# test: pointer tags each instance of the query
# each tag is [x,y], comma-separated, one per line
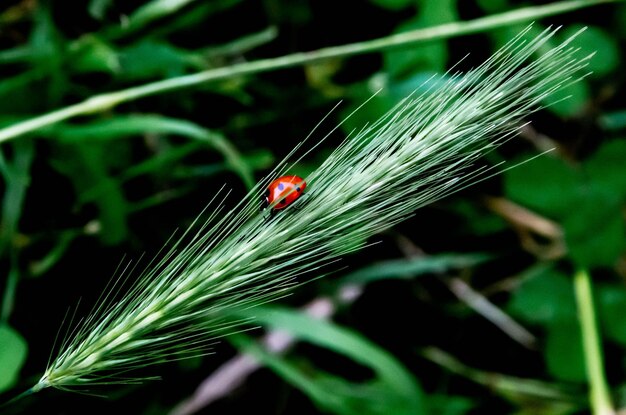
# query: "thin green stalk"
[599,391]
[107,101]
[507,385]
[18,397]
[16,174]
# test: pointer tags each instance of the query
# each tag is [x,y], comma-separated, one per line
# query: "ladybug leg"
[265,202]
[270,216]
[298,204]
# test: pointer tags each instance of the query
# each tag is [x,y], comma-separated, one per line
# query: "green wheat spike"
[422,150]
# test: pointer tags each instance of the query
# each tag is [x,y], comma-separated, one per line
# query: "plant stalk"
[599,391]
[107,101]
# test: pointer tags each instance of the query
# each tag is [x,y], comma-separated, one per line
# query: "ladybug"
[283,191]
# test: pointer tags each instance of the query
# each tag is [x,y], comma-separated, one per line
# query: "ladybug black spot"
[298,189]
[283,202]
[281,186]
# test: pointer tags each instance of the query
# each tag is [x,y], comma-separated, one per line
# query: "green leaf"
[570,99]
[594,229]
[545,296]
[112,205]
[606,168]
[19,87]
[611,300]
[152,59]
[393,390]
[48,50]
[97,8]
[598,41]
[92,54]
[545,184]
[13,351]
[161,161]
[449,404]
[410,268]
[587,201]
[45,39]
[564,351]
[16,174]
[137,125]
[88,167]
[122,126]
[476,219]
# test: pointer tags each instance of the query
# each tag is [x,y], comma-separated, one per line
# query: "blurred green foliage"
[392,389]
[586,199]
[80,194]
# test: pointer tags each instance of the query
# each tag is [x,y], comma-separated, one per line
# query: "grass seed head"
[420,151]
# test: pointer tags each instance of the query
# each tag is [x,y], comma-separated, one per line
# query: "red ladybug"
[283,191]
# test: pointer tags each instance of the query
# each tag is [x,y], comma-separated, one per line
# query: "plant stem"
[16,175]
[18,397]
[106,101]
[599,392]
[504,384]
